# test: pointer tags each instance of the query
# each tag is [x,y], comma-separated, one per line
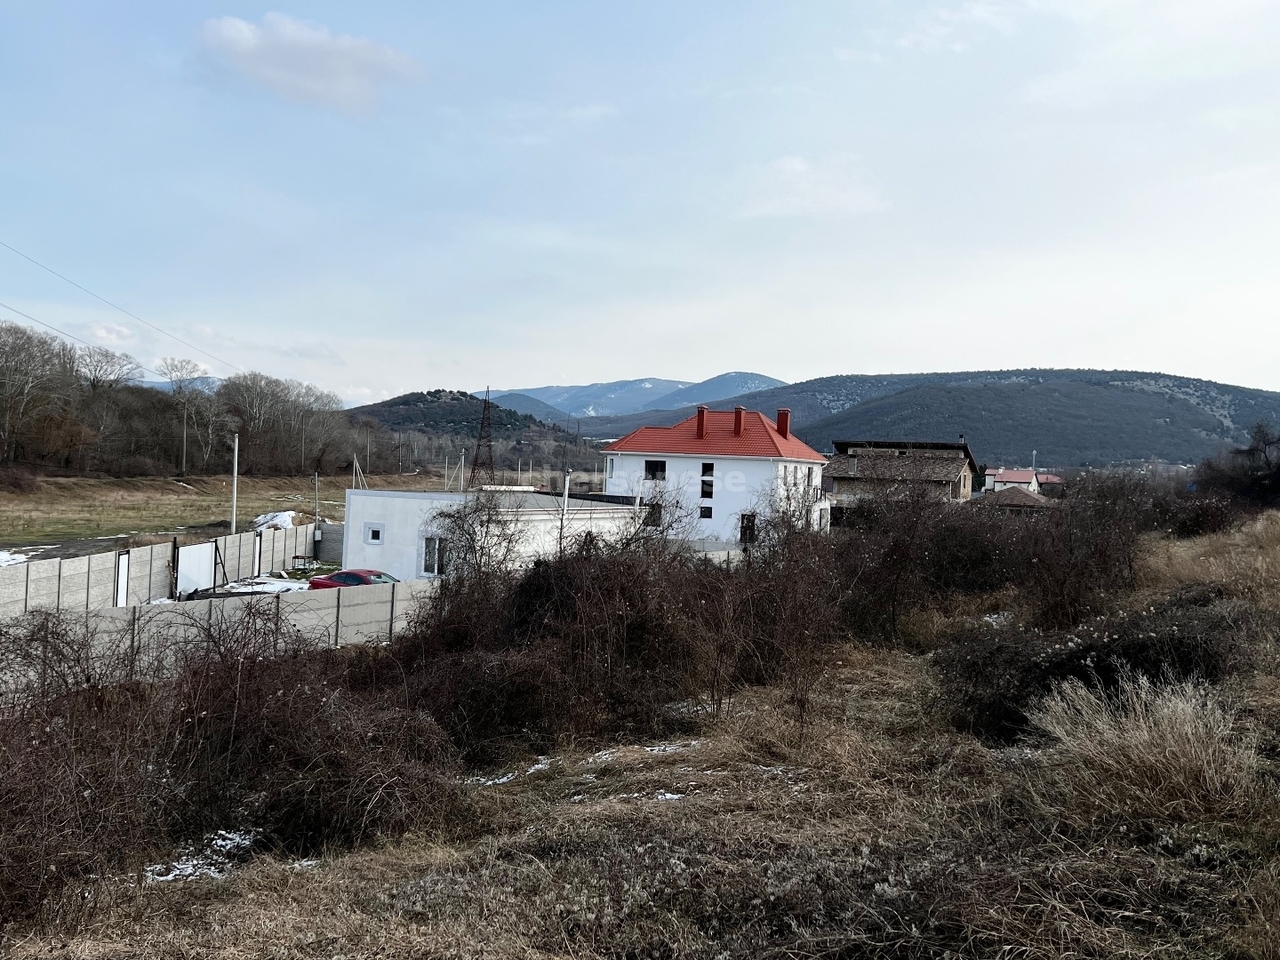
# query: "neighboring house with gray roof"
[900,468]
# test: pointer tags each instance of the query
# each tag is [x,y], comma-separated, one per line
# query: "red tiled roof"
[760,438]
[1002,475]
[1049,478]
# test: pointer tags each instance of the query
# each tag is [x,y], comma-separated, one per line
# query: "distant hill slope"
[1068,423]
[717,388]
[600,399]
[1042,409]
[447,411]
[523,403]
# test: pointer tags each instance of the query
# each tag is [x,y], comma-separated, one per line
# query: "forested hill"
[1068,423]
[449,412]
[1071,417]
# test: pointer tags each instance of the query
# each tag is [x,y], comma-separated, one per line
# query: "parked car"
[350,578]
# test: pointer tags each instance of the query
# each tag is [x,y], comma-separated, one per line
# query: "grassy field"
[62,509]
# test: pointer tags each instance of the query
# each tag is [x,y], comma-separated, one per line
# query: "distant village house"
[900,468]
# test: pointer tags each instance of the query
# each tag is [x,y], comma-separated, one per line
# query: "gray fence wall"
[329,547]
[110,580]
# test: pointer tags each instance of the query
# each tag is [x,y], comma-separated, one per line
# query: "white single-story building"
[722,468]
[400,532]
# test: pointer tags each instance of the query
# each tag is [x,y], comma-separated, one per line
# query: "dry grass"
[1245,562]
[879,833]
[63,508]
[1164,753]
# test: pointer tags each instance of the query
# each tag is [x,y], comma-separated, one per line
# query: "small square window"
[655,470]
[704,513]
[374,534]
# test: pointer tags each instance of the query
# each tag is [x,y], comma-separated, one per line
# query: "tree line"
[81,409]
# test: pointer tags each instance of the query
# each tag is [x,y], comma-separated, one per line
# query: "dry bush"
[990,673]
[111,755]
[17,479]
[1147,751]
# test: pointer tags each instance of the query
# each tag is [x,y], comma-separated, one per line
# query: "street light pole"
[235,477]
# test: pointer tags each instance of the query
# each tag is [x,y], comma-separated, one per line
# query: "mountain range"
[620,397]
[1071,418]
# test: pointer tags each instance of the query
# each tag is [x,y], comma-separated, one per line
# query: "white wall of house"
[995,484]
[738,485]
[393,530]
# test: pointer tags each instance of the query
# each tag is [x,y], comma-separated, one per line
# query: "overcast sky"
[394,196]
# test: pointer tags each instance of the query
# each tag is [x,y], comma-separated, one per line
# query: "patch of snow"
[304,864]
[664,748]
[181,484]
[491,781]
[264,585]
[221,851]
[666,796]
[282,520]
[8,559]
[544,763]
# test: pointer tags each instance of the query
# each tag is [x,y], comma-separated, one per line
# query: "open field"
[63,509]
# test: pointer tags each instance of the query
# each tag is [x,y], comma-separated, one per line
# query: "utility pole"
[184,437]
[235,477]
[564,508]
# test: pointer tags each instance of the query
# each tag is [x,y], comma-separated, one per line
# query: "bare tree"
[102,369]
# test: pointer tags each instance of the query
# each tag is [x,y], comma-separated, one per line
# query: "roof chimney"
[784,422]
[738,414]
[962,438]
[702,422]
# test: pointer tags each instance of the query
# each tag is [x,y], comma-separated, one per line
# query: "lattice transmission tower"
[482,462]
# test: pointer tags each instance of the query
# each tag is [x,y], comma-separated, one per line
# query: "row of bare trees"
[80,408]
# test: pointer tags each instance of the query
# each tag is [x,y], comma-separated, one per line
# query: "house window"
[433,556]
[374,533]
[708,481]
[704,513]
[610,469]
[747,529]
[653,516]
[655,470]
[810,483]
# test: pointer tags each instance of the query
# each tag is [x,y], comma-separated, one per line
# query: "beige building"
[900,468]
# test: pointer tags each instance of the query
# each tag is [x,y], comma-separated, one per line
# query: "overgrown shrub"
[111,755]
[991,673]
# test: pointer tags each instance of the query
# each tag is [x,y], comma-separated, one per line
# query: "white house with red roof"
[723,468]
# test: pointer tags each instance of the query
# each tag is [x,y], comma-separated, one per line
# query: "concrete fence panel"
[313,613]
[364,614]
[43,578]
[102,580]
[13,590]
[73,590]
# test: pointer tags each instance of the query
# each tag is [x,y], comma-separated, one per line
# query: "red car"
[350,578]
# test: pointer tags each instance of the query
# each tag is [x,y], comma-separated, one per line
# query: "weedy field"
[1005,782]
[58,509]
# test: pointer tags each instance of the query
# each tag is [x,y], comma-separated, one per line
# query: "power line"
[69,336]
[116,306]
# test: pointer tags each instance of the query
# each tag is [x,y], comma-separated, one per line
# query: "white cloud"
[796,187]
[1131,48]
[307,62]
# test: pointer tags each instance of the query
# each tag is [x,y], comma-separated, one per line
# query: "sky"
[397,196]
